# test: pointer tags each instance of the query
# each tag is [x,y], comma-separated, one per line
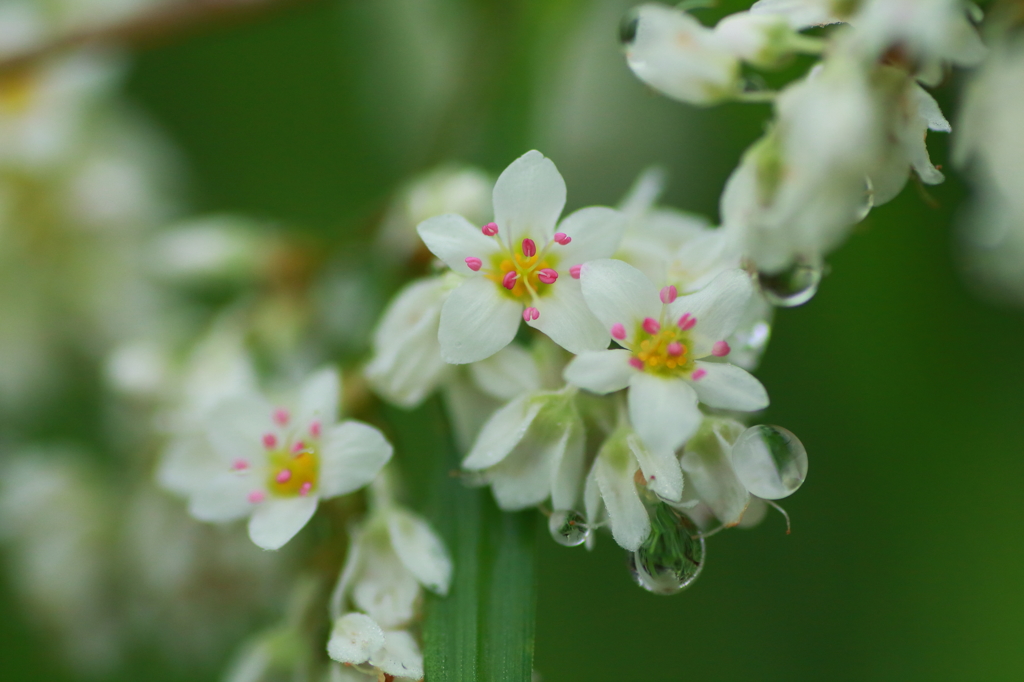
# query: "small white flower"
[664,339]
[673,53]
[532,449]
[520,267]
[708,468]
[359,641]
[275,464]
[762,40]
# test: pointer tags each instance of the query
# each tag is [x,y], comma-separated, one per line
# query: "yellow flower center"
[293,471]
[529,270]
[665,352]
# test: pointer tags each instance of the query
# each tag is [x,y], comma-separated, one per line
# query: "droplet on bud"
[792,287]
[568,528]
[670,559]
[769,461]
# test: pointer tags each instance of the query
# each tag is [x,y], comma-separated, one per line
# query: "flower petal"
[476,322]
[235,428]
[523,479]
[618,293]
[603,371]
[502,432]
[728,387]
[710,474]
[354,638]
[566,319]
[385,589]
[595,231]
[663,411]
[400,656]
[349,573]
[615,467]
[528,198]
[318,398]
[567,470]
[421,550]
[224,497]
[276,520]
[351,455]
[507,374]
[717,308]
[660,468]
[453,239]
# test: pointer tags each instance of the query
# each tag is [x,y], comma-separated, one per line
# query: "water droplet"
[769,461]
[670,559]
[792,287]
[627,29]
[568,528]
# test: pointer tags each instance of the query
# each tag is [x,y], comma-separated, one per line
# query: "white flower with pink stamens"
[521,266]
[664,338]
[277,463]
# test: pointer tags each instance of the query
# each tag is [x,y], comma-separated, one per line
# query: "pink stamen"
[283,476]
[240,465]
[651,325]
[720,349]
[257,496]
[575,271]
[299,446]
[509,280]
[562,238]
[269,440]
[675,349]
[698,374]
[529,248]
[686,322]
[547,275]
[490,229]
[315,429]
[668,294]
[637,362]
[281,416]
[474,263]
[530,314]
[618,331]
[306,487]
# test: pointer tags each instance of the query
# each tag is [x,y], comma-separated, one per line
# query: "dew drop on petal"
[792,287]
[769,461]
[671,558]
[568,528]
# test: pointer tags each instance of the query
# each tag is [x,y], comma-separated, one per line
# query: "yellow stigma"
[526,269]
[666,352]
[293,473]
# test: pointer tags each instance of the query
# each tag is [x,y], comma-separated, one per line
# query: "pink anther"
[618,331]
[306,487]
[529,248]
[531,314]
[687,321]
[575,271]
[490,229]
[547,275]
[298,446]
[283,476]
[281,416]
[240,464]
[668,294]
[698,374]
[675,349]
[562,238]
[720,349]
[315,429]
[509,280]
[651,325]
[269,440]
[637,363]
[474,263]
[257,496]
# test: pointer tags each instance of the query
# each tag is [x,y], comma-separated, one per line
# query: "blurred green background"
[906,388]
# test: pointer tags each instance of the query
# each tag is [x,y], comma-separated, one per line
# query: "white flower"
[673,53]
[519,266]
[275,464]
[806,13]
[532,449]
[664,339]
[359,641]
[762,40]
[709,472]
[214,248]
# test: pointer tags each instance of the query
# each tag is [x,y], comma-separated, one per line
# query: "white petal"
[351,455]
[318,399]
[502,432]
[604,371]
[717,308]
[349,572]
[645,191]
[663,411]
[421,550]
[566,319]
[618,293]
[528,198]
[275,521]
[453,239]
[567,471]
[224,497]
[507,374]
[385,589]
[615,467]
[187,463]
[523,479]
[235,428]
[477,321]
[728,387]
[709,473]
[660,468]
[592,504]
[400,656]
[354,638]
[596,232]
